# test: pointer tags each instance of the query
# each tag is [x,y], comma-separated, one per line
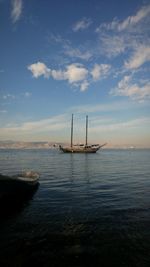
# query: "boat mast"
[71,131]
[86,130]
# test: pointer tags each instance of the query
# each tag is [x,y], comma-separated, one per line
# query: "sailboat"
[81,148]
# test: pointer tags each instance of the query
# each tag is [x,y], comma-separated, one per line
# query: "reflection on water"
[90,210]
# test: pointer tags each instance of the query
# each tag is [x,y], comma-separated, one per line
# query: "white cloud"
[84,86]
[131,89]
[118,37]
[57,74]
[133,20]
[75,73]
[107,26]
[77,53]
[100,71]
[113,45]
[16,10]
[139,57]
[81,52]
[38,69]
[126,24]
[82,24]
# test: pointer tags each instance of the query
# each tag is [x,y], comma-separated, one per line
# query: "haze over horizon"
[81,57]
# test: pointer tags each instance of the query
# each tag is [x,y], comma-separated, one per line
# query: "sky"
[83,57]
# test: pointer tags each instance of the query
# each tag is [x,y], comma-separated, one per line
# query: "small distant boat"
[18,185]
[81,148]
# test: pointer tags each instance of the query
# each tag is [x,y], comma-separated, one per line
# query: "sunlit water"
[89,210]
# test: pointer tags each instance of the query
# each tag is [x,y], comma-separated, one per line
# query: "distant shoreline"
[54,145]
[27,145]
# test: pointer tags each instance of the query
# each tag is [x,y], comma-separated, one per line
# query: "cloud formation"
[39,69]
[84,86]
[131,21]
[82,52]
[77,53]
[130,40]
[139,57]
[76,73]
[126,24]
[113,45]
[126,87]
[128,37]
[82,24]
[16,11]
[100,71]
[120,37]
[59,123]
[32,128]
[73,72]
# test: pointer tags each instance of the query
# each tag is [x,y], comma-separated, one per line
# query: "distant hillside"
[26,145]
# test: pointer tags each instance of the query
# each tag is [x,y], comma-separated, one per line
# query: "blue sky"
[82,57]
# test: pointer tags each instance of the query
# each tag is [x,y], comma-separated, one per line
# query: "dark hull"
[15,196]
[11,188]
[79,150]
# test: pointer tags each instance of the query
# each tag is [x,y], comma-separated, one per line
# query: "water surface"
[89,210]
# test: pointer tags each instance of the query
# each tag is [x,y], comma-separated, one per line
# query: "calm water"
[89,210]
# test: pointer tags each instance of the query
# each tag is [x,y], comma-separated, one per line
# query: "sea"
[88,210]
